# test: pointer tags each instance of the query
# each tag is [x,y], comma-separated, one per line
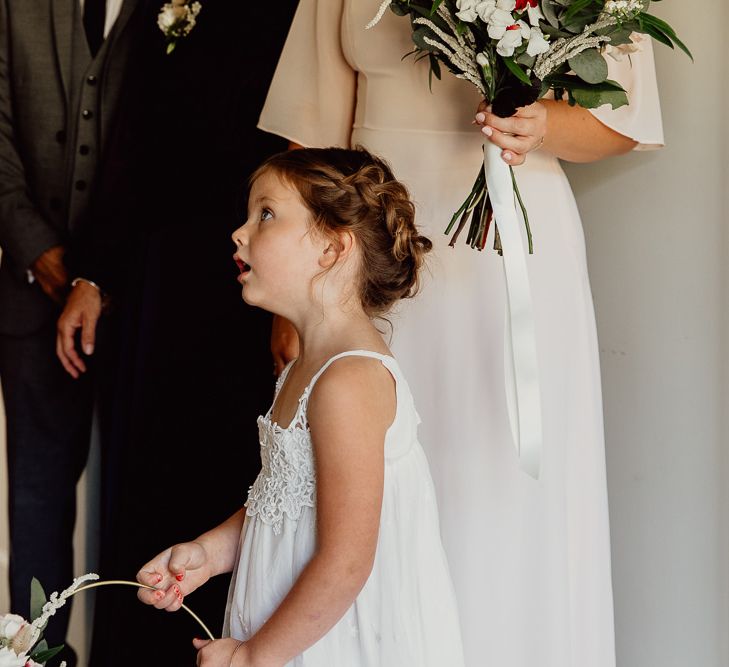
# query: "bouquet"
[515,52]
[21,641]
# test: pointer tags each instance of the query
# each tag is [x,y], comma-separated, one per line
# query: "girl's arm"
[350,410]
[181,569]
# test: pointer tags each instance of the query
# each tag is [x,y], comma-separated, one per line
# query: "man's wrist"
[78,280]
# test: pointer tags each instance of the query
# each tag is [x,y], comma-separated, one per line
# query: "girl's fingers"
[149,577]
[170,599]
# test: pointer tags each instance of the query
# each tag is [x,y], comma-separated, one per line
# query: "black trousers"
[48,416]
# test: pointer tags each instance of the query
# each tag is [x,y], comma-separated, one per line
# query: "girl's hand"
[220,653]
[175,573]
[518,134]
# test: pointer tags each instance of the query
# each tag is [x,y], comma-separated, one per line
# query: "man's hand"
[82,311]
[284,343]
[50,272]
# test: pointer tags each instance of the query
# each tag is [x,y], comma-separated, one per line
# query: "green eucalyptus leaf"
[41,646]
[590,66]
[592,98]
[548,9]
[620,36]
[399,9]
[37,599]
[526,60]
[45,656]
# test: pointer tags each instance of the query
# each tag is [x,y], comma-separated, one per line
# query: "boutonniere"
[176,19]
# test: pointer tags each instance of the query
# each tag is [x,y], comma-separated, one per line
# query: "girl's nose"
[239,236]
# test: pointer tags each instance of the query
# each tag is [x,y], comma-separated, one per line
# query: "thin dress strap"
[387,361]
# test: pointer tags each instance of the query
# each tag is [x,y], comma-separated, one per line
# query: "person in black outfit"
[62,67]
[195,369]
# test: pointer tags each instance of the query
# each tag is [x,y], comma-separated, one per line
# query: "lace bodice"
[287,481]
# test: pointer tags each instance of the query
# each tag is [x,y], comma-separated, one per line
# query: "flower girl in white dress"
[337,554]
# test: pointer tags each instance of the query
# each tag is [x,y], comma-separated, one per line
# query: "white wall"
[656,227]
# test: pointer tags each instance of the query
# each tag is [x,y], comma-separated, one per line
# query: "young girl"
[337,556]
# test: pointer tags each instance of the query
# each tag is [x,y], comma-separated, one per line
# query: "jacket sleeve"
[24,233]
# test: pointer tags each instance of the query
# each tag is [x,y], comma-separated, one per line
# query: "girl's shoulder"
[360,386]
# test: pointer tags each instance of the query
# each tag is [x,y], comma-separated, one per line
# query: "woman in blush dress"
[530,558]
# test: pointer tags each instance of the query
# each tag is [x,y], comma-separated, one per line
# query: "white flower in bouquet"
[10,624]
[475,9]
[537,43]
[535,14]
[509,33]
[9,658]
[25,638]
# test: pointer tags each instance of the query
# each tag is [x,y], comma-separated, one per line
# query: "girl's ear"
[336,249]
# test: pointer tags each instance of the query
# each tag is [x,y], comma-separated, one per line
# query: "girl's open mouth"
[244,268]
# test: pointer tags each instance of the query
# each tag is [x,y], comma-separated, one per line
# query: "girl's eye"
[266,214]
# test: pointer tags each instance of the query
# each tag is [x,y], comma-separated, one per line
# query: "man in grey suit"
[62,63]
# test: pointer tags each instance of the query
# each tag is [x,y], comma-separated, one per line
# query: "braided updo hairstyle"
[355,191]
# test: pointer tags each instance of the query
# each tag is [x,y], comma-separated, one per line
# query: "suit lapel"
[63,16]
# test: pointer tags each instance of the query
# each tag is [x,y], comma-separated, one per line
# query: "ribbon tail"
[521,348]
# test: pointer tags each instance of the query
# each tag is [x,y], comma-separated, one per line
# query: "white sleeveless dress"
[405,616]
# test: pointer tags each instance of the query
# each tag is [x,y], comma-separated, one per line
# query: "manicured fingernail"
[88,349]
[159,578]
[480,117]
[488,108]
[487,130]
[159,595]
[508,156]
[180,576]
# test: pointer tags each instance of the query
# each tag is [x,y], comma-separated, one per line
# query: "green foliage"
[662,32]
[37,599]
[590,66]
[44,656]
[517,71]
[588,95]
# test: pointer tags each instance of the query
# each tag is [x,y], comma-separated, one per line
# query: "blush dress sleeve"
[639,120]
[312,97]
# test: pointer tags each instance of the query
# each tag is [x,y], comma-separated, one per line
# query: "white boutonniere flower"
[176,19]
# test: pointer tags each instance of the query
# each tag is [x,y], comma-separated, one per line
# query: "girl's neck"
[323,335]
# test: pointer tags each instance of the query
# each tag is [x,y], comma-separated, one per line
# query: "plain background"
[658,244]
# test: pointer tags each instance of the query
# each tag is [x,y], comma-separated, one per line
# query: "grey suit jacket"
[37,71]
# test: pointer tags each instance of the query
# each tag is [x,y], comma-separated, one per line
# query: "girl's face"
[277,252]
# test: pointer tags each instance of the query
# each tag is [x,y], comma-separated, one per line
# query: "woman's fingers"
[513,143]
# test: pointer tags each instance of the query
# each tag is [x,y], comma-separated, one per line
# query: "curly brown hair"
[355,191]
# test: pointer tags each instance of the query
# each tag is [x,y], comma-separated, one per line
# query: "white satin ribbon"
[526,423]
